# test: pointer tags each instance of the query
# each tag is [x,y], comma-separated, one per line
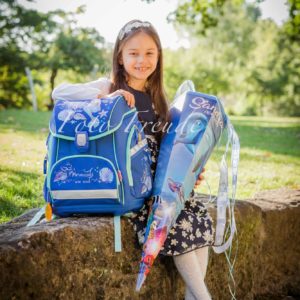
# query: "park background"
[228,48]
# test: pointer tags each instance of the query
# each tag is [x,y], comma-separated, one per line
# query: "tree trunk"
[52,80]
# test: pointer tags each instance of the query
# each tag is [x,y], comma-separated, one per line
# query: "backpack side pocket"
[138,164]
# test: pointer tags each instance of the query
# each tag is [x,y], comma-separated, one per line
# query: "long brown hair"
[154,85]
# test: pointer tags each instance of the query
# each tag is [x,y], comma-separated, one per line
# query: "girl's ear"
[121,61]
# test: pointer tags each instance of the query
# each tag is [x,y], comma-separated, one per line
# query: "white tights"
[192,268]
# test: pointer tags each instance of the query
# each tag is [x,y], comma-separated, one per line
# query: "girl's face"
[139,57]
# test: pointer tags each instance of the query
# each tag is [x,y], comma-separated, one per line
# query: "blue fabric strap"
[117,227]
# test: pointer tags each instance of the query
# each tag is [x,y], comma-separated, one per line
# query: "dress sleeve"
[81,91]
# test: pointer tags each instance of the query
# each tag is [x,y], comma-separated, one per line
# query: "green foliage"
[74,48]
[204,14]
[250,63]
[33,39]
[292,26]
[20,28]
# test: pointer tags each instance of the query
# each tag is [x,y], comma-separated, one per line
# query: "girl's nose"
[140,58]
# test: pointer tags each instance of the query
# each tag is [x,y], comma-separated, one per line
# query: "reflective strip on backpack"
[85,194]
[138,146]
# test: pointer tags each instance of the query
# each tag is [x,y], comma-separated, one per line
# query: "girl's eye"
[132,53]
[150,53]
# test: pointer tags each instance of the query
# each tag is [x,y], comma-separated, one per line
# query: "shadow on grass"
[19,191]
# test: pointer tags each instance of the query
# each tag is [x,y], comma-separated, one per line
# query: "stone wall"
[74,258]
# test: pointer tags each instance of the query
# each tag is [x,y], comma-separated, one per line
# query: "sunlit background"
[109,16]
[239,50]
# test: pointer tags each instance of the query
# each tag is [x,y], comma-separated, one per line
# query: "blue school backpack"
[98,159]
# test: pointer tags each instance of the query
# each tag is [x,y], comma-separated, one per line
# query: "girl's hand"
[128,96]
[200,179]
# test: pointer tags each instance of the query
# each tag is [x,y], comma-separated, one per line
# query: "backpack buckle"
[82,141]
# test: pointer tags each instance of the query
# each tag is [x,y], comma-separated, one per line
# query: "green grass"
[270,158]
[22,151]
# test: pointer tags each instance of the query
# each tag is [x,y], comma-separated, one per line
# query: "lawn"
[270,158]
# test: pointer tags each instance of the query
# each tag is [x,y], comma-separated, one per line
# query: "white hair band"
[130,26]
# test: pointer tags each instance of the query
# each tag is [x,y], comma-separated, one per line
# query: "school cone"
[152,248]
[198,122]
[156,234]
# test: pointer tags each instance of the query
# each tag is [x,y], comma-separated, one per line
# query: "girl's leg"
[189,268]
[202,255]
[188,294]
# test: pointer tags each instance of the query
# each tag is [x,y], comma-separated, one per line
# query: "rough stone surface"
[74,258]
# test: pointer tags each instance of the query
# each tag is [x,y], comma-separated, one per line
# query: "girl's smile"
[139,58]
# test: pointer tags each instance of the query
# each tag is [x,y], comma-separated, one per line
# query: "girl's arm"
[82,91]
[90,90]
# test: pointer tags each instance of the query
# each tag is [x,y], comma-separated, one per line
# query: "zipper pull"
[120,176]
[48,212]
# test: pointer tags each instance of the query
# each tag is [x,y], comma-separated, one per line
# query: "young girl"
[137,74]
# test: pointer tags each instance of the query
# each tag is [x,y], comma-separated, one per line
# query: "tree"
[34,39]
[251,63]
[278,79]
[20,29]
[217,61]
[75,49]
[292,26]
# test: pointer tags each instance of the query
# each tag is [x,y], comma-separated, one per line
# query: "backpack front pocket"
[92,179]
[138,164]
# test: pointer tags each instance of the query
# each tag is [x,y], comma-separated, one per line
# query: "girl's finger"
[200,177]
[131,100]
[198,182]
[128,96]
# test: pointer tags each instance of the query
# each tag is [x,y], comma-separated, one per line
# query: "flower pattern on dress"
[174,242]
[198,233]
[172,231]
[186,225]
[184,245]
[142,218]
[184,233]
